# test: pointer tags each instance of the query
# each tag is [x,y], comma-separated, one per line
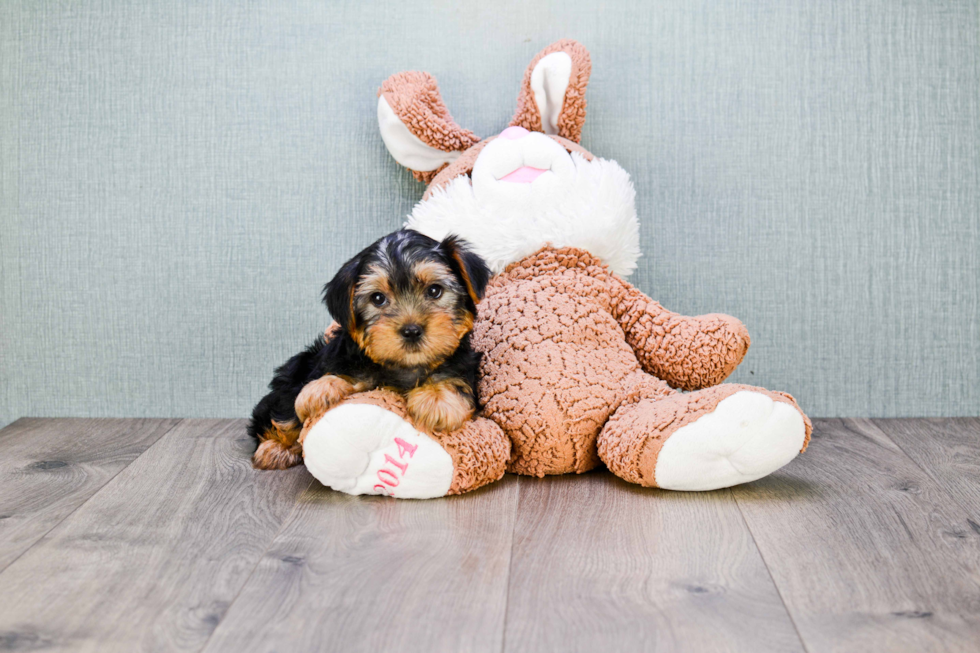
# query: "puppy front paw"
[439,407]
[319,396]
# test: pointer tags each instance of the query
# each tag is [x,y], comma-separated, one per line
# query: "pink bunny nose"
[513,133]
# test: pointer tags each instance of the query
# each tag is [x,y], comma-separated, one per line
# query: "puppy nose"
[411,332]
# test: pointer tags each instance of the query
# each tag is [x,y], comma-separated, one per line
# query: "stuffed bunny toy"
[579,368]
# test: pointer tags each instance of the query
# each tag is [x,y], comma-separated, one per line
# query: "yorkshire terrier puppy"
[404,308]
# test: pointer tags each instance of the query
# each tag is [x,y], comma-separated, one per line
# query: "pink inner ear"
[523,175]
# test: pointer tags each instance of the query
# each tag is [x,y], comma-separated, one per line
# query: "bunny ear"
[416,126]
[552,98]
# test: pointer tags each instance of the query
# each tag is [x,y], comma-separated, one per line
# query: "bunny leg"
[705,440]
[368,445]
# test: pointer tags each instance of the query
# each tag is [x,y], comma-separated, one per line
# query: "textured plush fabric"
[414,97]
[179,179]
[632,439]
[566,344]
[479,450]
[572,116]
[687,352]
[568,351]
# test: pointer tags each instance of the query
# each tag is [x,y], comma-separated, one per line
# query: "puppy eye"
[434,291]
[378,299]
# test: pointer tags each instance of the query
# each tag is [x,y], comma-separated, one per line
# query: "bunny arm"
[689,353]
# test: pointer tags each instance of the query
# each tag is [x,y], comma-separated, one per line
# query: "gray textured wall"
[178,180]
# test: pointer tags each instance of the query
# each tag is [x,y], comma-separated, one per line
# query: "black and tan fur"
[405,308]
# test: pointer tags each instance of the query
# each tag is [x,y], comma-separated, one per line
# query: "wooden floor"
[157,535]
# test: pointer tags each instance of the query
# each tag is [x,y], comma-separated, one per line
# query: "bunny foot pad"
[365,449]
[746,437]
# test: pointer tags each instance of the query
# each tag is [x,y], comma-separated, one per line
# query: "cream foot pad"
[365,449]
[747,436]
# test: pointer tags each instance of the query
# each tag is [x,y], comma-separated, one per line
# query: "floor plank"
[599,564]
[377,574]
[49,467]
[871,538]
[154,559]
[868,552]
[948,449]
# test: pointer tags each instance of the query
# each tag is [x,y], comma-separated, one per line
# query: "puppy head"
[408,300]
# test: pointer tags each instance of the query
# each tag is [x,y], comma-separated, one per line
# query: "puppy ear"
[472,270]
[338,294]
